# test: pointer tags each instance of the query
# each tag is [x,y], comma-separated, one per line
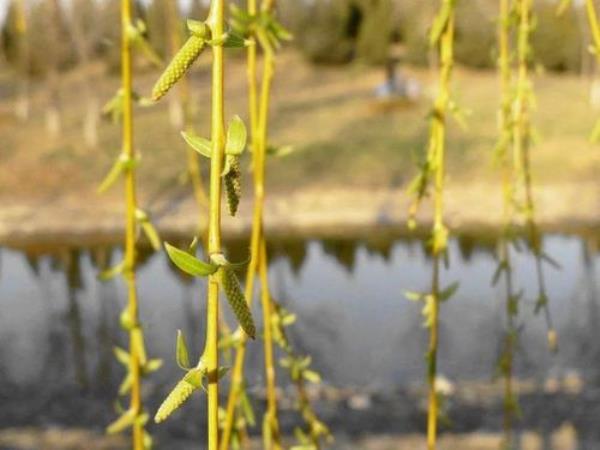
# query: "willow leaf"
[189,263]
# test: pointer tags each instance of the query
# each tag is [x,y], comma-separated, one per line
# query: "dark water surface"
[58,324]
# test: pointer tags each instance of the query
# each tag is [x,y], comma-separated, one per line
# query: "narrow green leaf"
[151,234]
[112,176]
[182,355]
[148,441]
[247,409]
[279,151]
[112,272]
[554,263]
[448,292]
[414,296]
[280,31]
[125,320]
[312,376]
[233,40]
[125,385]
[193,245]
[198,143]
[499,270]
[188,263]
[236,137]
[123,422]
[152,365]
[121,355]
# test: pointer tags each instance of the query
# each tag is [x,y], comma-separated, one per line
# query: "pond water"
[58,322]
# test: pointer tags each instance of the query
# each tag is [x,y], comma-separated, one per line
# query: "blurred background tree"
[326,32]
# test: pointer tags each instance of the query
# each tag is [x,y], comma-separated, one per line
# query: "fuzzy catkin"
[233,185]
[237,300]
[178,66]
[180,393]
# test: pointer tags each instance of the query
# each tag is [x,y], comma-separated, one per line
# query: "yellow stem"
[594,26]
[259,126]
[432,411]
[268,348]
[130,221]
[216,23]
[237,376]
[506,131]
[437,148]
[522,141]
[183,87]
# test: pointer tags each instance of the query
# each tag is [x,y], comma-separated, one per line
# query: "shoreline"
[572,208]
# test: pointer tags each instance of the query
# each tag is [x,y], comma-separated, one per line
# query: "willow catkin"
[180,393]
[237,300]
[233,185]
[180,63]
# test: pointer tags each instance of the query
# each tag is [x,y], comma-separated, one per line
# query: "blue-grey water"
[58,322]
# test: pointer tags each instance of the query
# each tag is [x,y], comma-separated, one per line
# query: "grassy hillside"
[341,135]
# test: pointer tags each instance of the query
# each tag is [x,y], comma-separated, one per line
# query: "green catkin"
[237,301]
[178,66]
[180,393]
[233,185]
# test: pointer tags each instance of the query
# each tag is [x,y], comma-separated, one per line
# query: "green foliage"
[375,33]
[558,40]
[188,263]
[300,372]
[475,35]
[325,31]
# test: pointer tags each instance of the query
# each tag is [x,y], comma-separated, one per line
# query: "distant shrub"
[475,38]
[375,32]
[557,41]
[324,30]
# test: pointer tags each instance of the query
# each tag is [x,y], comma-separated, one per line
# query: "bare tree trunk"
[22,101]
[53,117]
[53,110]
[81,42]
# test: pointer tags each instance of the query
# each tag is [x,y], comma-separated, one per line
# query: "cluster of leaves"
[432,175]
[192,380]
[194,376]
[432,166]
[235,145]
[524,205]
[298,367]
[269,32]
[244,418]
[594,47]
[128,418]
[429,298]
[135,361]
[188,263]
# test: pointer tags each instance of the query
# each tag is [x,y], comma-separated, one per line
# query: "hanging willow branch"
[263,31]
[594,24]
[134,360]
[522,136]
[223,149]
[432,176]
[503,159]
